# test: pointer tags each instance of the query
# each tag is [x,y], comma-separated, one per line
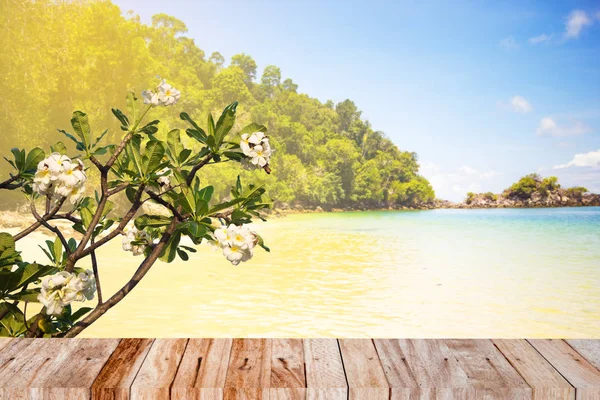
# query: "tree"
[217,59]
[348,113]
[147,170]
[289,85]
[271,78]
[247,65]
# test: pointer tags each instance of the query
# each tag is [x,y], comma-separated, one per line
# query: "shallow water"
[438,273]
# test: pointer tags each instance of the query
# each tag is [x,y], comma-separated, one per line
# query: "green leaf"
[33,158]
[184,155]
[261,242]
[253,127]
[174,145]
[121,117]
[199,132]
[32,272]
[153,156]
[210,126]
[59,148]
[78,145]
[223,206]
[29,295]
[205,194]
[82,128]
[153,221]
[225,123]
[183,255]
[132,106]
[80,313]
[170,250]
[58,249]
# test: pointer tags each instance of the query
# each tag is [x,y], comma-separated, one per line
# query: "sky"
[484,92]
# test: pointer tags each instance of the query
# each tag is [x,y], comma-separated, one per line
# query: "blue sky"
[484,92]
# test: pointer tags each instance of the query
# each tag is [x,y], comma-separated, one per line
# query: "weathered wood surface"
[290,369]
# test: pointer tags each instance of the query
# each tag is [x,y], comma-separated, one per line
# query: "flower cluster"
[61,176]
[135,240]
[257,148]
[236,242]
[163,95]
[63,288]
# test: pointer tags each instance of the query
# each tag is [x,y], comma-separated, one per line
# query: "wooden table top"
[317,369]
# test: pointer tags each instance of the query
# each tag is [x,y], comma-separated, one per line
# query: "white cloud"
[549,127]
[591,159]
[520,104]
[509,43]
[540,39]
[576,21]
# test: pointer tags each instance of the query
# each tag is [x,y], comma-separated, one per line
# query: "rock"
[319,209]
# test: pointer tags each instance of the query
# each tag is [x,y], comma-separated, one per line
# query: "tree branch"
[37,224]
[196,168]
[135,279]
[96,275]
[160,201]
[7,184]
[54,229]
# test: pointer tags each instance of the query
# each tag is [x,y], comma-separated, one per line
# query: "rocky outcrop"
[555,198]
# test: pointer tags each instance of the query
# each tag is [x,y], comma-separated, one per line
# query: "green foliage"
[525,187]
[576,191]
[80,41]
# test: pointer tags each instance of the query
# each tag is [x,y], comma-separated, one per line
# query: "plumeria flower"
[132,234]
[258,150]
[236,242]
[150,97]
[164,94]
[59,175]
[72,193]
[63,288]
[260,155]
[167,94]
[72,174]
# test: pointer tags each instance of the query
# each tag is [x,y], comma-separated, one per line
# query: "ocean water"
[436,273]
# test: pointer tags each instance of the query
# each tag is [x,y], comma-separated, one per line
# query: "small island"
[531,191]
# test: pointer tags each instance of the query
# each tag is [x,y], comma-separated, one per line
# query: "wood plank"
[6,341]
[287,370]
[366,378]
[203,370]
[589,349]
[73,378]
[488,372]
[154,379]
[546,382]
[115,379]
[570,364]
[24,375]
[325,376]
[399,376]
[249,371]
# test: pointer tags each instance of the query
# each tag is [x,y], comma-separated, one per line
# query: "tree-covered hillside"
[60,56]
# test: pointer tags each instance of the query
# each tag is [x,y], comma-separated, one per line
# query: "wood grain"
[325,377]
[153,381]
[366,378]
[287,370]
[203,370]
[570,364]
[117,376]
[589,349]
[249,368]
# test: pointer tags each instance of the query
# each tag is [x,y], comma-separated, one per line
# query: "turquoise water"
[437,273]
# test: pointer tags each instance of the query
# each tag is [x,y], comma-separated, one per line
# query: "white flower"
[164,94]
[72,174]
[257,148]
[260,155]
[163,180]
[132,234]
[167,94]
[63,288]
[150,97]
[58,174]
[236,242]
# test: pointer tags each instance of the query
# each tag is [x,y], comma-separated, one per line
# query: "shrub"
[146,170]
